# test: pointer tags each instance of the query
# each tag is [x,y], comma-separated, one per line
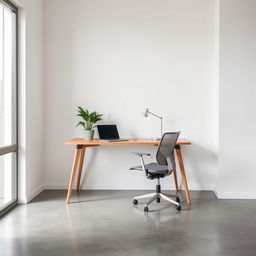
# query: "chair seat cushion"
[157,168]
[153,168]
[156,171]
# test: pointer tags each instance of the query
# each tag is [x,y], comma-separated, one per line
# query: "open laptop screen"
[108,132]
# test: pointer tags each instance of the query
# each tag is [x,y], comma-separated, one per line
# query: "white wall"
[137,49]
[30,99]
[119,57]
[237,125]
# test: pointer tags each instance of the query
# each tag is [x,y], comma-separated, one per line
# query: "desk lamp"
[145,114]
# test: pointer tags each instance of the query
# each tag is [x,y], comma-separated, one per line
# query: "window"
[8,105]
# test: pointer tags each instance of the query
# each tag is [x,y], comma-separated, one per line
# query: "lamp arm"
[154,115]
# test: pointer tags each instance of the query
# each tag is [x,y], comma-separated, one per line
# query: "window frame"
[14,147]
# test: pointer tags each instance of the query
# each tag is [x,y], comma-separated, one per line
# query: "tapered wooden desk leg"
[175,181]
[80,168]
[183,173]
[73,172]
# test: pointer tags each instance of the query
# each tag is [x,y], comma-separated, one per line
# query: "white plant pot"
[88,134]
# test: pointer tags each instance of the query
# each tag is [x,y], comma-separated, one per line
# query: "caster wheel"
[177,199]
[135,201]
[178,208]
[145,209]
[158,200]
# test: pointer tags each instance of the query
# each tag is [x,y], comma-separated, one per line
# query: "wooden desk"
[81,146]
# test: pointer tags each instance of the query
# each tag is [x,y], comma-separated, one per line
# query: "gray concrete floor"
[106,223]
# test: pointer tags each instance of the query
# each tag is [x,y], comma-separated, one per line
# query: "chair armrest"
[142,160]
[141,154]
[137,168]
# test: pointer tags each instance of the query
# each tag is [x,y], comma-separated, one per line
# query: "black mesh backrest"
[166,148]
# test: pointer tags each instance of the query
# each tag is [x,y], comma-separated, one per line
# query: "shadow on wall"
[88,165]
[199,158]
[199,163]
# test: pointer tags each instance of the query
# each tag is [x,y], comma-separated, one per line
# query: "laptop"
[109,132]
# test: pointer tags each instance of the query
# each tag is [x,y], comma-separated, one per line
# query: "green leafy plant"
[88,119]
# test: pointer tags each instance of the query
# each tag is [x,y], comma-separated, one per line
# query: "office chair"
[163,167]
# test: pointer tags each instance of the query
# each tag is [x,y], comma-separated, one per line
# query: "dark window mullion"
[9,4]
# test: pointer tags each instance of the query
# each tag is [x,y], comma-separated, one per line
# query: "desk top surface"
[131,141]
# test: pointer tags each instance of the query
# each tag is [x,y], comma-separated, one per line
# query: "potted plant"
[88,121]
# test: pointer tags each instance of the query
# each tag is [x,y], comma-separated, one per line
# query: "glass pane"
[8,128]
[7,179]
[7,76]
